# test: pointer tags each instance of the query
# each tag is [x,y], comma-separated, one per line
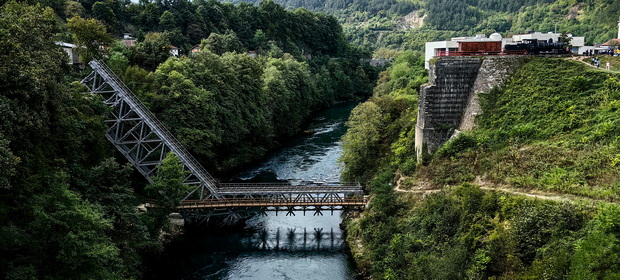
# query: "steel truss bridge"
[145,142]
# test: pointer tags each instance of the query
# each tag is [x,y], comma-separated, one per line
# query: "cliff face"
[449,102]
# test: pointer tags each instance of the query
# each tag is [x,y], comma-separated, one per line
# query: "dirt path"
[485,185]
[488,186]
[398,189]
[578,59]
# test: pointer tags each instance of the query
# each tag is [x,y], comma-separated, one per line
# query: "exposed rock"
[411,21]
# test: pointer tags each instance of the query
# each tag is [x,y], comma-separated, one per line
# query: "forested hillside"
[407,24]
[67,198]
[551,129]
[240,104]
[67,208]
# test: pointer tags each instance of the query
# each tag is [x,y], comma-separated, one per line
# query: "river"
[277,246]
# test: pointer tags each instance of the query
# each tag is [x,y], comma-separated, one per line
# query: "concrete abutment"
[449,103]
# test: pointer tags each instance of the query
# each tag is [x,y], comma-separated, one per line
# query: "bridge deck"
[274,202]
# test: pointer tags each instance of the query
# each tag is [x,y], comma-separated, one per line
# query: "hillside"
[408,24]
[552,129]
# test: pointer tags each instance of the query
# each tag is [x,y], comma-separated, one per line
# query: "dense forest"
[67,198]
[551,129]
[408,24]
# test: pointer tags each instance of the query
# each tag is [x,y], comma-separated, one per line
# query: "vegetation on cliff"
[382,130]
[550,128]
[67,209]
[466,233]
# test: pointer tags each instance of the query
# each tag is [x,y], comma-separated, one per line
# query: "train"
[535,46]
[527,47]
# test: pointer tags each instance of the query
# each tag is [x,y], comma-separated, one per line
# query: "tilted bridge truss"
[139,136]
[145,142]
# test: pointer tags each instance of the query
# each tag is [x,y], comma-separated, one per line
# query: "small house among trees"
[174,51]
[71,50]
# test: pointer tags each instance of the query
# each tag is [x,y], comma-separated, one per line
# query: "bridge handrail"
[480,53]
[289,189]
[274,198]
[163,132]
[318,184]
[268,201]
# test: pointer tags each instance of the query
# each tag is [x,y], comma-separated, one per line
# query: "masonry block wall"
[449,103]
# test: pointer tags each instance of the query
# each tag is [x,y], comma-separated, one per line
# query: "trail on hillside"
[578,59]
[488,186]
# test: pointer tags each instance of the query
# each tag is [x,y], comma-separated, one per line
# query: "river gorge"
[276,246]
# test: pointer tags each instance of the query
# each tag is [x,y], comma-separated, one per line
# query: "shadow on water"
[275,246]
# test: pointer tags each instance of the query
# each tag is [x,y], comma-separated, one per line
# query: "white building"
[174,51]
[431,48]
[71,50]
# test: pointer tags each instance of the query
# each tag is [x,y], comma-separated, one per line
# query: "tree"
[360,143]
[167,21]
[168,189]
[151,52]
[221,43]
[168,185]
[259,41]
[564,39]
[49,138]
[103,12]
[291,93]
[8,162]
[90,36]
[30,76]
[118,60]
[73,9]
[149,16]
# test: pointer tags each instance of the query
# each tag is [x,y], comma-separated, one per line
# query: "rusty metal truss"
[139,136]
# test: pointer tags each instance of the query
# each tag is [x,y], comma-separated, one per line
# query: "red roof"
[612,42]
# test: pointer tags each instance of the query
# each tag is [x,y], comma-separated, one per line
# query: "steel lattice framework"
[139,136]
[145,142]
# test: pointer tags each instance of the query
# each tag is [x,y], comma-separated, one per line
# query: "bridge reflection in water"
[212,256]
[294,240]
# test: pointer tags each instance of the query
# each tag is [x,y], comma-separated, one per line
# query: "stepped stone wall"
[449,103]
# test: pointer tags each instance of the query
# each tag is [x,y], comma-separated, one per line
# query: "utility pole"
[618,28]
